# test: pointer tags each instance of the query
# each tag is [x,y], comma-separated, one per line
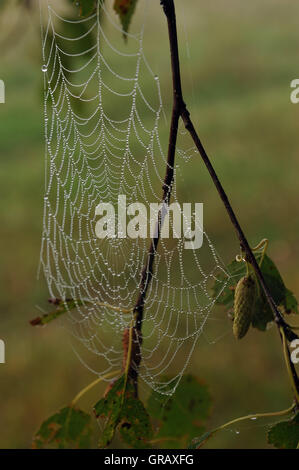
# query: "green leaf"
[125,10]
[110,407]
[290,303]
[62,306]
[285,435]
[273,280]
[135,428]
[69,428]
[183,414]
[262,313]
[87,7]
[126,413]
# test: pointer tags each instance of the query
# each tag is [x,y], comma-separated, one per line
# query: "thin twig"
[180,110]
[93,384]
[245,418]
[169,10]
[147,272]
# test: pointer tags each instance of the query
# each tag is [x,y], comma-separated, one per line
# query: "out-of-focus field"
[238,60]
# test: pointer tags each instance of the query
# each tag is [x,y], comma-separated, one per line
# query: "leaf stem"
[258,415]
[112,307]
[248,417]
[129,349]
[93,384]
[129,355]
[264,243]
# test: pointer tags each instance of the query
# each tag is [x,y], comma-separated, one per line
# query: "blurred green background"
[238,60]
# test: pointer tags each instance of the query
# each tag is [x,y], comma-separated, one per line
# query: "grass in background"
[243,58]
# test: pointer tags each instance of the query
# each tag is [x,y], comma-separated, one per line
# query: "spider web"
[103,124]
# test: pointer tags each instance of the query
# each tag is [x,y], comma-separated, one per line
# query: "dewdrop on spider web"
[103,108]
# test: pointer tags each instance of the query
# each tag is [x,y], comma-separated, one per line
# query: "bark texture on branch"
[180,110]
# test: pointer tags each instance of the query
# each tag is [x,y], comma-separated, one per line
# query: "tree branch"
[169,10]
[179,110]
[147,272]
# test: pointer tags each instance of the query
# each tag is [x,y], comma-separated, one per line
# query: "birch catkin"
[245,295]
